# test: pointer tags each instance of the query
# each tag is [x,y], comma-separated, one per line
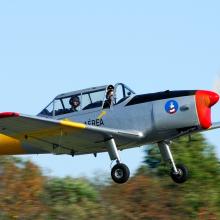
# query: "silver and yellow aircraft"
[108,119]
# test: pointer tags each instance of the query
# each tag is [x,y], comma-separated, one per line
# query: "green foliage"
[69,198]
[153,157]
[68,191]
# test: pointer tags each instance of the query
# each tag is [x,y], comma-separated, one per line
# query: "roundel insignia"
[171,107]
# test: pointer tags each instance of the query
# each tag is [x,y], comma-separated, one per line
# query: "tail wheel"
[182,175]
[120,173]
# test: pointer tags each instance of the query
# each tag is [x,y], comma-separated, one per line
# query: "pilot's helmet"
[74,99]
[110,87]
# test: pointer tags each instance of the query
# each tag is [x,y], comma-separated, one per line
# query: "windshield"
[122,92]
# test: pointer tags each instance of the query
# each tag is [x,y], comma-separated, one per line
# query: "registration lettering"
[96,122]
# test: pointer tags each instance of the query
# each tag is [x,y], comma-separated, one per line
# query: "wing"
[62,136]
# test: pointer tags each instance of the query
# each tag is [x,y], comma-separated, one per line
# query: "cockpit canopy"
[91,98]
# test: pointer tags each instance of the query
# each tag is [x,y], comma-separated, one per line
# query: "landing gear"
[182,174]
[179,173]
[120,172]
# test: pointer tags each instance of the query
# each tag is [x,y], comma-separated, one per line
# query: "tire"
[182,176]
[120,173]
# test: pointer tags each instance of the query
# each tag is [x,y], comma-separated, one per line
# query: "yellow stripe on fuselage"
[10,146]
[102,114]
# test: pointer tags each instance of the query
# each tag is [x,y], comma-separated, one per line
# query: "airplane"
[109,119]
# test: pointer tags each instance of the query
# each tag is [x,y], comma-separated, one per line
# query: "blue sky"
[51,47]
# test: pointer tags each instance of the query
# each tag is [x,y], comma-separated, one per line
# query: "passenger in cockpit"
[75,103]
[109,97]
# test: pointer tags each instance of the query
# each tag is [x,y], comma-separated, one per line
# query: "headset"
[72,99]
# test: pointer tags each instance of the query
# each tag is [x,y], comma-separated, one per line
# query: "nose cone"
[213,97]
[204,101]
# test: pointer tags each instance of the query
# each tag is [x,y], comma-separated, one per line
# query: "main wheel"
[181,176]
[120,173]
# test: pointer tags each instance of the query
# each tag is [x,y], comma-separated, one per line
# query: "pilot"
[75,103]
[109,97]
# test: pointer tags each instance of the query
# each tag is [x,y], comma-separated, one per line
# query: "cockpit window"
[128,92]
[119,93]
[93,99]
[67,105]
[48,111]
[122,92]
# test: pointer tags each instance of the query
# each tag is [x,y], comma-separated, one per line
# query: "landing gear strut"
[120,172]
[179,173]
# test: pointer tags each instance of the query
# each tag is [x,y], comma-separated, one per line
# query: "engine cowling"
[183,109]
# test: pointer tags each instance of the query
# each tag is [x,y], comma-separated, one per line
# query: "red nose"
[204,101]
[213,97]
